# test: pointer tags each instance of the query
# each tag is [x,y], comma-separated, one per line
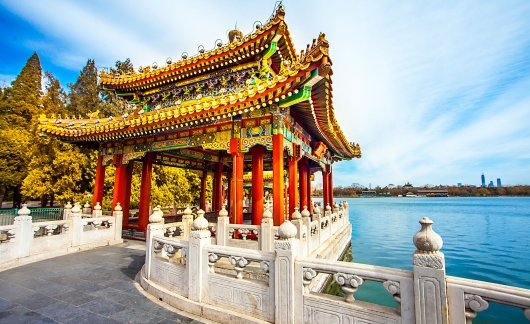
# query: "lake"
[483,239]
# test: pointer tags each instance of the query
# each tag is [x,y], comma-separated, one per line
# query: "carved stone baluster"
[308,275]
[231,232]
[239,264]
[265,266]
[394,289]
[50,229]
[212,259]
[183,255]
[96,223]
[157,248]
[526,312]
[244,232]
[170,231]
[474,304]
[170,251]
[349,284]
[35,230]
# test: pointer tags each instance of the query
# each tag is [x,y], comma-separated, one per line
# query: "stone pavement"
[95,286]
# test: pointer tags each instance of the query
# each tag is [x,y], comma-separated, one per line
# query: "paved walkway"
[95,286]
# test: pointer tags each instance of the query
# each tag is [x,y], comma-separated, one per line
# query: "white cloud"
[435,92]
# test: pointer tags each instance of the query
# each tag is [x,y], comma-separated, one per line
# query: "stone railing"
[229,284]
[27,241]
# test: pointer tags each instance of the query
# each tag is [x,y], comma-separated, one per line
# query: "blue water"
[483,239]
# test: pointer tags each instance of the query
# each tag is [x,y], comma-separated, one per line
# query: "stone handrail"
[40,240]
[468,297]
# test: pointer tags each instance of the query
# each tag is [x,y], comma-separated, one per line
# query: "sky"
[435,92]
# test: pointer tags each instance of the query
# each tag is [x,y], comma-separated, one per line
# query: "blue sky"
[436,92]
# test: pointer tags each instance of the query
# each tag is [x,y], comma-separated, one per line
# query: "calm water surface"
[483,238]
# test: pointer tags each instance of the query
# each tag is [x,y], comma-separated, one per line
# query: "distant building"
[491,184]
[408,185]
[499,182]
[460,184]
[369,193]
[483,178]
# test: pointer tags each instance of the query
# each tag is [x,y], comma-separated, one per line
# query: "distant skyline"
[435,92]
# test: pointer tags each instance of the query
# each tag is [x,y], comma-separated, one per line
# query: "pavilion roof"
[292,72]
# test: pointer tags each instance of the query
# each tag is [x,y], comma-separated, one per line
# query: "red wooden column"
[126,201]
[330,183]
[257,184]
[119,181]
[293,185]
[302,176]
[145,191]
[277,181]
[309,193]
[236,195]
[325,186]
[218,187]
[228,193]
[99,183]
[203,189]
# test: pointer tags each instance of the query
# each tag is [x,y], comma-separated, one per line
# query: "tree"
[84,94]
[19,107]
[57,169]
[112,104]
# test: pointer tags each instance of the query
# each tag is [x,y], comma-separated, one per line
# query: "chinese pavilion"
[250,105]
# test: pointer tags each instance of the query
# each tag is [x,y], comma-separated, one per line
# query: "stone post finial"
[316,210]
[305,212]
[296,214]
[76,209]
[328,208]
[267,213]
[223,212]
[24,211]
[287,231]
[155,217]
[200,223]
[426,240]
[98,206]
[187,211]
[87,205]
[335,205]
[68,205]
[118,207]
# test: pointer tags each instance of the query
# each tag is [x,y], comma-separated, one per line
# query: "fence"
[231,284]
[7,216]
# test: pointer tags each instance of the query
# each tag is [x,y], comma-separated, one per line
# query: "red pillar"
[126,204]
[145,191]
[325,187]
[293,185]
[236,194]
[229,196]
[119,182]
[277,182]
[330,182]
[309,193]
[203,189]
[99,183]
[302,176]
[257,184]
[218,187]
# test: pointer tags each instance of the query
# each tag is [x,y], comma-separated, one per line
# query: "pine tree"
[54,101]
[84,95]
[19,107]
[21,103]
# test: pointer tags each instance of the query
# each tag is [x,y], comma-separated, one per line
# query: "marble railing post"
[97,212]
[118,221]
[286,302]
[306,221]
[266,237]
[154,228]
[199,238]
[26,231]
[301,231]
[187,221]
[317,216]
[222,227]
[430,295]
[87,209]
[66,211]
[77,224]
